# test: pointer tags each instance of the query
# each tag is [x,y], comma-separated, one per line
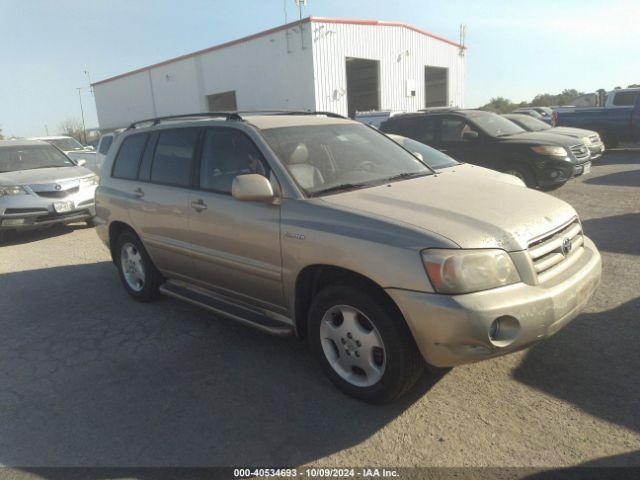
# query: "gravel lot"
[89,377]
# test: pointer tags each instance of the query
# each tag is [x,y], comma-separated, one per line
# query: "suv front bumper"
[455,329]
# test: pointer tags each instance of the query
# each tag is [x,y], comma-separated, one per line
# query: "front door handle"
[198,205]
[138,193]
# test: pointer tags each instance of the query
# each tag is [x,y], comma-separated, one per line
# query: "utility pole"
[86,72]
[300,4]
[84,131]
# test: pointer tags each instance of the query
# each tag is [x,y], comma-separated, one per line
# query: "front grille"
[59,193]
[18,211]
[556,250]
[580,151]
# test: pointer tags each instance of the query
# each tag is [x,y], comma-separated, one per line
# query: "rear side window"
[128,159]
[173,158]
[105,145]
[624,99]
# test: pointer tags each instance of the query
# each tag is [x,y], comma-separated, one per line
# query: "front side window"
[29,157]
[332,157]
[173,158]
[452,130]
[128,159]
[227,153]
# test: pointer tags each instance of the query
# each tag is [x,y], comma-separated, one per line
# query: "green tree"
[501,105]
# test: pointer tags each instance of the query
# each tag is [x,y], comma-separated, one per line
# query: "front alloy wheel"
[362,343]
[352,345]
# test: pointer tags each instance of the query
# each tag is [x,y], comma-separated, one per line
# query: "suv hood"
[470,210]
[43,175]
[574,132]
[541,138]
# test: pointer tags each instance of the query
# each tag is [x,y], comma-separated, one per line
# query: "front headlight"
[550,150]
[91,181]
[586,141]
[12,190]
[465,271]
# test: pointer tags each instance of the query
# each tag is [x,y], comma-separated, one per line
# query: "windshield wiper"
[337,188]
[405,175]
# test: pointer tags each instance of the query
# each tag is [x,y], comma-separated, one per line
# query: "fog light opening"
[504,330]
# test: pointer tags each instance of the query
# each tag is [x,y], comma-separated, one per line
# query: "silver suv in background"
[40,186]
[316,225]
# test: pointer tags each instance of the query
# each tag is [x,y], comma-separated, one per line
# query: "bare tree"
[1,136]
[72,127]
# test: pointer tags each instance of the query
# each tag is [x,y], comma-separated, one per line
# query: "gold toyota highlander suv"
[312,224]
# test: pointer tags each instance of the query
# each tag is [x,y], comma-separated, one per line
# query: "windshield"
[28,157]
[494,125]
[529,123]
[66,144]
[432,157]
[328,158]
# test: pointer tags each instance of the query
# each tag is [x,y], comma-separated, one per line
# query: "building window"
[436,85]
[222,102]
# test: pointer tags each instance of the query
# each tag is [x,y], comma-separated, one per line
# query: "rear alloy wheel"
[362,343]
[137,272]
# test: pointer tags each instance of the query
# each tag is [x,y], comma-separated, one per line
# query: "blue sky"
[516,49]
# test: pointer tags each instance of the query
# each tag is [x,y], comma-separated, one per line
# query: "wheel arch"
[115,230]
[313,278]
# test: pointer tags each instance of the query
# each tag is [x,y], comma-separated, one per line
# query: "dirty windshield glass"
[29,157]
[329,158]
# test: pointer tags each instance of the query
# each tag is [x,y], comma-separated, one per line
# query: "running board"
[250,317]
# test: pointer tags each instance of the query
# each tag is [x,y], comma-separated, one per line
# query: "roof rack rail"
[290,112]
[157,120]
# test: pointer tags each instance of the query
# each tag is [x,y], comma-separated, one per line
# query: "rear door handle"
[198,205]
[138,193]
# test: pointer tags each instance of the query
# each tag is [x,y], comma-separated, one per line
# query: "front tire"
[522,172]
[139,276]
[363,344]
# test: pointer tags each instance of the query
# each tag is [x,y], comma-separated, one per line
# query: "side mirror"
[81,162]
[252,187]
[469,135]
[89,148]
[419,155]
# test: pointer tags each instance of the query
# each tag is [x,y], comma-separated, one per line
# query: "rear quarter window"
[128,159]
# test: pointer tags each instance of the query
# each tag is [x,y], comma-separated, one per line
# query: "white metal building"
[329,64]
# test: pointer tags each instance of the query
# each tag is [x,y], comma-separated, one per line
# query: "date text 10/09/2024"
[316,472]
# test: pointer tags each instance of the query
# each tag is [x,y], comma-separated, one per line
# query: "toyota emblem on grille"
[566,246]
[57,187]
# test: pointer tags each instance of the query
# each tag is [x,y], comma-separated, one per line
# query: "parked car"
[441,163]
[73,149]
[590,138]
[40,186]
[617,121]
[546,114]
[323,227]
[539,159]
[104,144]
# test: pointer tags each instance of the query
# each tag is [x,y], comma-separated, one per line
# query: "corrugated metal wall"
[403,55]
[277,70]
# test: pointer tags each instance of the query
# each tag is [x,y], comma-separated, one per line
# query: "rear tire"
[137,272]
[363,344]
